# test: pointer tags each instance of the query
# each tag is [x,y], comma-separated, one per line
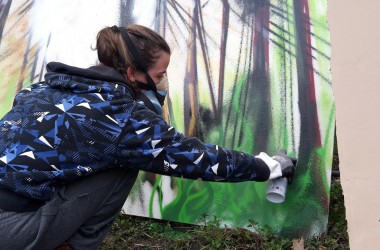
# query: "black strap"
[147,102]
[132,48]
[136,56]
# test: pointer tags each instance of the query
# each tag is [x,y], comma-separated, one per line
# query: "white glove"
[280,165]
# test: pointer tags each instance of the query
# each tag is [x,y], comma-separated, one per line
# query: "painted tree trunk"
[260,90]
[310,139]
[223,45]
[126,16]
[191,104]
[206,60]
[4,11]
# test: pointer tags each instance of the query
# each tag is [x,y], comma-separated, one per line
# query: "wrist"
[273,165]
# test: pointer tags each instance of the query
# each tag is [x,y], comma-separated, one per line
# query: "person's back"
[60,129]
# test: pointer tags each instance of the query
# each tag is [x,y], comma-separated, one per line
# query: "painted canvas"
[250,75]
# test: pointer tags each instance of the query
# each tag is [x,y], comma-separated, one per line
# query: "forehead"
[162,62]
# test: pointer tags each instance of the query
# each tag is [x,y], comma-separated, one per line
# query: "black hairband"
[115,29]
[136,56]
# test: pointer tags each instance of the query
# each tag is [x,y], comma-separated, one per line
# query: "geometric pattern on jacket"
[70,126]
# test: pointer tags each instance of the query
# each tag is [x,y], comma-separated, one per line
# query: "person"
[71,147]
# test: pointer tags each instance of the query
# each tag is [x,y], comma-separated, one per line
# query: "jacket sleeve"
[152,145]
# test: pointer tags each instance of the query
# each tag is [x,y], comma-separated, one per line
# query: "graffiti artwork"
[250,75]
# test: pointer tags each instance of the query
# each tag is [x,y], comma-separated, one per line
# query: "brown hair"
[113,52]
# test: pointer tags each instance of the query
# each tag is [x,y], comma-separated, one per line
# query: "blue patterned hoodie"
[79,121]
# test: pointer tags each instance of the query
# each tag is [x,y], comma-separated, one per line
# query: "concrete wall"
[355,63]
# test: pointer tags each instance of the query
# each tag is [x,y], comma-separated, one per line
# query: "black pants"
[80,213]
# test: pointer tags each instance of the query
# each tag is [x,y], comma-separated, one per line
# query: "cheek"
[141,78]
[156,80]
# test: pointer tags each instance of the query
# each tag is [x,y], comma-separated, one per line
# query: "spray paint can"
[276,190]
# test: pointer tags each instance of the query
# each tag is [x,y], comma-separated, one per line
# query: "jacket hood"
[97,79]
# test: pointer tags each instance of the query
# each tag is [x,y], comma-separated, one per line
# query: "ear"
[131,74]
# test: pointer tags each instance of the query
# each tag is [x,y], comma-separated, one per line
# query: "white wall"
[73,27]
[355,39]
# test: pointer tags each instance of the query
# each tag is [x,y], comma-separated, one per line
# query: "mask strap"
[137,58]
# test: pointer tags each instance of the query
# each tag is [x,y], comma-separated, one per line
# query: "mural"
[251,75]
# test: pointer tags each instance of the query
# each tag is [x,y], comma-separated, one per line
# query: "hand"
[287,164]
